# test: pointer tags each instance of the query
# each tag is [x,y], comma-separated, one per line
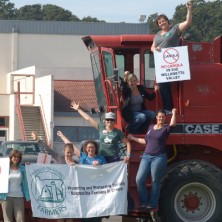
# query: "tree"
[74,18]
[207,17]
[152,23]
[7,10]
[56,13]
[91,19]
[30,12]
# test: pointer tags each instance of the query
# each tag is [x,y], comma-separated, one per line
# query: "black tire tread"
[184,170]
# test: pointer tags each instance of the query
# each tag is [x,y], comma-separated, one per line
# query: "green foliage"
[40,12]
[74,18]
[7,10]
[55,13]
[91,19]
[30,12]
[206,23]
[152,23]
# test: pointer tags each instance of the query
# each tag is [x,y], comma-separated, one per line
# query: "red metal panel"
[204,88]
[200,52]
[217,50]
[118,41]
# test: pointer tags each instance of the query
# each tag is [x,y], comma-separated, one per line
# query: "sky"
[128,11]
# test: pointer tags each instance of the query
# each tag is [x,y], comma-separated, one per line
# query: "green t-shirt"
[109,141]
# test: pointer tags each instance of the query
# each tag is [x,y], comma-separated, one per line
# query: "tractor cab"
[111,56]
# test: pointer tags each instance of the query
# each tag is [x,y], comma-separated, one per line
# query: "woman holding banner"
[165,38]
[13,201]
[89,156]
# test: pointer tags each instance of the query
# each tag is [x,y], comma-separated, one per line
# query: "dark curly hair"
[92,142]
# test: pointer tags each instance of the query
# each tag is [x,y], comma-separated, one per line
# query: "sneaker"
[168,112]
[141,208]
[149,208]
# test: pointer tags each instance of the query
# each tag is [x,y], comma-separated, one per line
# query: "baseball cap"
[110,115]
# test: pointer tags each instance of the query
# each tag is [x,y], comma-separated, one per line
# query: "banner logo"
[49,193]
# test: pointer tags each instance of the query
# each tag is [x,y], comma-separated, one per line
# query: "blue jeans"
[111,159]
[140,121]
[166,95]
[155,167]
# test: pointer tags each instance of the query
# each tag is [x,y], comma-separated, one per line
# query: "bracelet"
[128,155]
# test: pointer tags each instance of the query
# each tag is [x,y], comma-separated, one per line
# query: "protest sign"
[4,174]
[172,64]
[79,191]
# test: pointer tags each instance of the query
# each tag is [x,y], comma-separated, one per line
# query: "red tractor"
[192,187]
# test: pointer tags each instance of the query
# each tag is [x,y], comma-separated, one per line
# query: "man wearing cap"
[109,135]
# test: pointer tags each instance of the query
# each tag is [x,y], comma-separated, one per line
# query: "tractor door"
[103,64]
[111,82]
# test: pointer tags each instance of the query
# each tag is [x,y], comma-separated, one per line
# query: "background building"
[44,65]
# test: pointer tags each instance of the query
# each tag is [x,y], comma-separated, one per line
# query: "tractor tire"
[191,192]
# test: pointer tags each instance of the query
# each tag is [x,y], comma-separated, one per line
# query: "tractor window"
[107,58]
[98,79]
[149,69]
[120,61]
[136,65]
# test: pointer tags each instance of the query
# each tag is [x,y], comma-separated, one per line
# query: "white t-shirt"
[15,184]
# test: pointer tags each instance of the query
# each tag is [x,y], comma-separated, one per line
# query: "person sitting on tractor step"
[134,111]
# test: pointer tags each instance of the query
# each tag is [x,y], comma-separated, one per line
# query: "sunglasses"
[109,120]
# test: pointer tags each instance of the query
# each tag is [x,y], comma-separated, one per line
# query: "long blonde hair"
[130,76]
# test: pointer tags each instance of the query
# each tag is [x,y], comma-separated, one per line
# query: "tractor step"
[145,215]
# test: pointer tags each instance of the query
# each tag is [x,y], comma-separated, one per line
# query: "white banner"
[80,191]
[172,64]
[4,174]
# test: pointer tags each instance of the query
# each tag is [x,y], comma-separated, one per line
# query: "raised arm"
[184,25]
[63,137]
[88,118]
[66,140]
[136,139]
[173,118]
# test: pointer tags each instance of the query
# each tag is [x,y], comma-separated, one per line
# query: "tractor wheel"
[192,192]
